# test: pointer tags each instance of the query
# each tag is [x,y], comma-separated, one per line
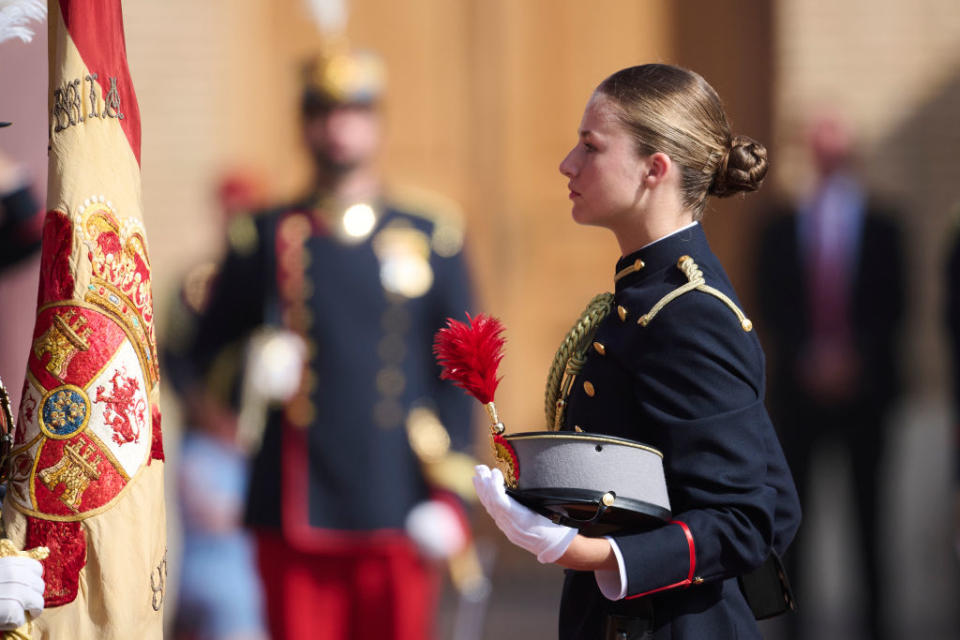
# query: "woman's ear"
[658,166]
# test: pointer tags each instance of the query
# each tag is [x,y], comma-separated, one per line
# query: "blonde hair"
[675,111]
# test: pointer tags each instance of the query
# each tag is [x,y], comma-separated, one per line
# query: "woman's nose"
[566,166]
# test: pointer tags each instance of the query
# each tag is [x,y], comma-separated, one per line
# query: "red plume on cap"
[470,354]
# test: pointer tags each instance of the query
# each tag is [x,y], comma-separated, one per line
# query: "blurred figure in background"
[219,595]
[21,224]
[831,290]
[20,215]
[348,492]
[953,332]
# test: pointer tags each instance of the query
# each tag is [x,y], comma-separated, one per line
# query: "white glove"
[275,363]
[21,590]
[524,528]
[436,529]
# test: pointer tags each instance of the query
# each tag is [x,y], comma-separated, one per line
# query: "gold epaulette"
[695,281]
[446,216]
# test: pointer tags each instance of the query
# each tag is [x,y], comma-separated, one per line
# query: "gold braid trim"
[570,357]
[695,281]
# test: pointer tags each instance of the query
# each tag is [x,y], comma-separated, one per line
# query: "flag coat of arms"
[86,469]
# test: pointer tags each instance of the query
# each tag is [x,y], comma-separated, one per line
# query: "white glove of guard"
[436,529]
[523,527]
[21,590]
[275,363]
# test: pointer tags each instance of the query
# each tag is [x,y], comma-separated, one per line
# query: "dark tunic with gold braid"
[676,365]
[335,464]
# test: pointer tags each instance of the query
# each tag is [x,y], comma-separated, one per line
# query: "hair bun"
[742,169]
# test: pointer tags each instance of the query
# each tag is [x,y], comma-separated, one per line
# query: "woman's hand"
[524,528]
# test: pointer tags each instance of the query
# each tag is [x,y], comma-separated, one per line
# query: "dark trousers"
[859,429]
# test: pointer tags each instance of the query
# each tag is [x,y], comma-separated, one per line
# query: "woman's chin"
[580,215]
[586,218]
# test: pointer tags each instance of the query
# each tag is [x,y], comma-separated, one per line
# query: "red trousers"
[374,591]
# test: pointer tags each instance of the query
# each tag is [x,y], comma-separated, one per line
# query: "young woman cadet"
[676,365]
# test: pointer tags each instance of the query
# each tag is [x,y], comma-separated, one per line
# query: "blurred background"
[484,99]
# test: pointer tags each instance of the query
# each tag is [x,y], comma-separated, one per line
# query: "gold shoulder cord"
[696,281]
[570,358]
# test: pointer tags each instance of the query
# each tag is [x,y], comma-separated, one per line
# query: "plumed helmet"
[342,77]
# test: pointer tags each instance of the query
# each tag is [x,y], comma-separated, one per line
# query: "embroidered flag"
[86,470]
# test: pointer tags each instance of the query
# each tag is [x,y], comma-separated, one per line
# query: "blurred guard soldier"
[344,493]
[835,376]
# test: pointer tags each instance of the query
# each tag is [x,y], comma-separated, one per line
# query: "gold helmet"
[342,77]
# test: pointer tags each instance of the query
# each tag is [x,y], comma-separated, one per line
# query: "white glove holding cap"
[21,590]
[525,528]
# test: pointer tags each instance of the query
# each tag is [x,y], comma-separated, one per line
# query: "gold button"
[588,388]
[577,428]
[608,498]
[392,348]
[698,580]
[622,312]
[391,382]
[602,350]
[746,324]
[387,413]
[638,264]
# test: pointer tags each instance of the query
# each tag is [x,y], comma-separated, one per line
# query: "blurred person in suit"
[952,306]
[350,499]
[831,293]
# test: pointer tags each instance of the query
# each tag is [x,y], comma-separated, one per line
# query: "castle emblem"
[74,471]
[62,341]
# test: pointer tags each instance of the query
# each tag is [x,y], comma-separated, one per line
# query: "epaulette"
[445,215]
[242,234]
[695,282]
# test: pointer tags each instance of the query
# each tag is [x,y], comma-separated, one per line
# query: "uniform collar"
[658,255]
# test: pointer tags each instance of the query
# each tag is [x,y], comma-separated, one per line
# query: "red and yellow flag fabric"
[86,470]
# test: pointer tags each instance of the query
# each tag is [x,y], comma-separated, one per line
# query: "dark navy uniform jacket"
[690,383]
[336,463]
